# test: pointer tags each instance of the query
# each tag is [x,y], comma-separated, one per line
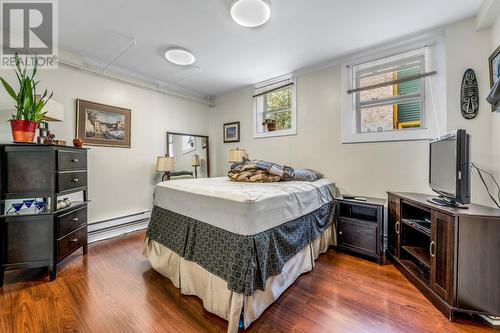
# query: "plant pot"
[271,126]
[23,130]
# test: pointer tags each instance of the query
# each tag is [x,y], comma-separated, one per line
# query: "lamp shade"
[165,163]
[236,155]
[196,160]
[55,111]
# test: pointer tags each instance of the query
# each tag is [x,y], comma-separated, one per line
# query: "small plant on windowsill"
[270,124]
[29,106]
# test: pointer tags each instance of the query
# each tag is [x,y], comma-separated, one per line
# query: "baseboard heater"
[118,226]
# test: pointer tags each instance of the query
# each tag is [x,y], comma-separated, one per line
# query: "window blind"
[272,86]
[412,62]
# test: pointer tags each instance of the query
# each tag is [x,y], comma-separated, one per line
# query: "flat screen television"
[450,168]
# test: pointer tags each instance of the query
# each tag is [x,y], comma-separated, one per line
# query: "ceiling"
[300,33]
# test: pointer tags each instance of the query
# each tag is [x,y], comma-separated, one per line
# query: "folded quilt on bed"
[259,171]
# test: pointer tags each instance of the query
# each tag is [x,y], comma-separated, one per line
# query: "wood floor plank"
[114,289]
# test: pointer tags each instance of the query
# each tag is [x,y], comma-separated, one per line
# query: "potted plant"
[29,105]
[270,124]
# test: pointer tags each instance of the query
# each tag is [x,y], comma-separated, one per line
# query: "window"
[274,108]
[388,97]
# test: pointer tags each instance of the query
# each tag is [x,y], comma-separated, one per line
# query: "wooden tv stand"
[451,255]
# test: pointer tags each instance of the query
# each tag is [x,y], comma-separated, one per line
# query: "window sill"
[397,135]
[274,134]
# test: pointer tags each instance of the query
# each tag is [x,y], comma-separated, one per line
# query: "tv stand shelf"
[455,262]
[420,254]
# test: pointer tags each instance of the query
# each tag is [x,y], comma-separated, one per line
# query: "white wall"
[364,169]
[121,180]
[468,48]
[368,169]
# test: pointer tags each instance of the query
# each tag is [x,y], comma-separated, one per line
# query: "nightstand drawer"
[71,160]
[358,235]
[71,242]
[71,221]
[68,181]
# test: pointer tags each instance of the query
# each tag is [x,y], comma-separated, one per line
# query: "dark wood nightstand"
[33,176]
[360,227]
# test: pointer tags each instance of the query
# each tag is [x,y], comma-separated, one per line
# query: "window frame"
[407,98]
[273,85]
[433,115]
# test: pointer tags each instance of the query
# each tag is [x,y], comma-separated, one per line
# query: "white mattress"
[243,208]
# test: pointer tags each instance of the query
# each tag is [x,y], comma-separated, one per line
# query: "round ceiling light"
[180,56]
[250,13]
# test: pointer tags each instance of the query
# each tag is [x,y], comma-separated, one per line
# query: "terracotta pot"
[23,130]
[271,126]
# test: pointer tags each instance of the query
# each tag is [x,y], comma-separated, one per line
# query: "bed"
[238,246]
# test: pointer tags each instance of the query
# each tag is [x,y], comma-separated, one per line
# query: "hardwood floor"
[114,289]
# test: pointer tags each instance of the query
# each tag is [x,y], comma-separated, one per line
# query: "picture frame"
[188,144]
[494,66]
[231,132]
[204,143]
[103,125]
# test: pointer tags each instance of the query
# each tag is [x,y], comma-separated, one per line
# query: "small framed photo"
[494,62]
[232,132]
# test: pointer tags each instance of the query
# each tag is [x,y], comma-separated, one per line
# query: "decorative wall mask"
[469,96]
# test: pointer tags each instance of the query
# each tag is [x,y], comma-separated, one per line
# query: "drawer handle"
[340,232]
[74,240]
[75,180]
[397,227]
[75,160]
[75,219]
[432,249]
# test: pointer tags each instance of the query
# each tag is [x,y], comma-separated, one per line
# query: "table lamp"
[165,164]
[237,155]
[196,163]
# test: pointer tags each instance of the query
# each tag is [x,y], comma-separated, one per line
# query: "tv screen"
[449,170]
[443,165]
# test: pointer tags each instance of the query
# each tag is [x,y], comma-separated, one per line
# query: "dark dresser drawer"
[71,242]
[71,221]
[67,181]
[71,160]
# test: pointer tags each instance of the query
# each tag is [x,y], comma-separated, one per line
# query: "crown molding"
[117,73]
[487,14]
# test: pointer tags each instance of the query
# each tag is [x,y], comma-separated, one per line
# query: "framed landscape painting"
[232,132]
[102,125]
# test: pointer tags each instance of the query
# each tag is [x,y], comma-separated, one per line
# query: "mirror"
[191,155]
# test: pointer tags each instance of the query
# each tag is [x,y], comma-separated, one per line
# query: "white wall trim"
[118,226]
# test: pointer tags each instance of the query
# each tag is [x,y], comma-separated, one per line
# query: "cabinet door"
[441,251]
[394,226]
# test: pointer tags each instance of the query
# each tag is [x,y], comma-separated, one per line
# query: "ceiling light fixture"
[250,13]
[180,56]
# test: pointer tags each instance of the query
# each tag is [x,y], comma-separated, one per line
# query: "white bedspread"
[243,208]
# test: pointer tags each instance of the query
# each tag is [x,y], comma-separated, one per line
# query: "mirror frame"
[195,135]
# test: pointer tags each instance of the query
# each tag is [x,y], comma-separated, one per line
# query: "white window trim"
[293,129]
[435,98]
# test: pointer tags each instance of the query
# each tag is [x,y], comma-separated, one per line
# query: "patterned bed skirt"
[244,262]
